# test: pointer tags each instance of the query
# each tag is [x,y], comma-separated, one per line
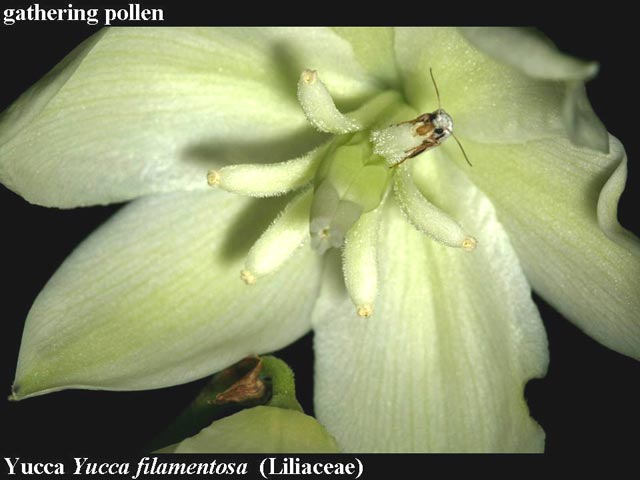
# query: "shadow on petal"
[249,225]
[278,149]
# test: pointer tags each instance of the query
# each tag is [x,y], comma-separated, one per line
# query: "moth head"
[442,124]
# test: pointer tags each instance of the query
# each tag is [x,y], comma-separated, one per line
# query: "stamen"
[267,180]
[359,262]
[276,245]
[318,106]
[426,217]
[395,141]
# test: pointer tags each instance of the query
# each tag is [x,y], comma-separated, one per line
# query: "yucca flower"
[416,278]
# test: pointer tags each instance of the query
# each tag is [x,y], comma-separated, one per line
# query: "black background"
[587,403]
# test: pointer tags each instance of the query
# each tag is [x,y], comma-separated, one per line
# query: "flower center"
[343,185]
[351,180]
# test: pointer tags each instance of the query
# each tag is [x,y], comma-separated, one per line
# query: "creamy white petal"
[559,205]
[529,51]
[373,47]
[535,55]
[154,298]
[442,365]
[144,110]
[491,97]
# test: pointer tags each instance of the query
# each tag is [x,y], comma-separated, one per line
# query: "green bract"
[441,256]
[260,430]
[277,426]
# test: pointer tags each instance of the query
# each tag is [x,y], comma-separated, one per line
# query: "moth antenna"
[461,149]
[436,87]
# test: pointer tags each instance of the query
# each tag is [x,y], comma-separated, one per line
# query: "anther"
[247,277]
[309,76]
[364,311]
[213,178]
[469,244]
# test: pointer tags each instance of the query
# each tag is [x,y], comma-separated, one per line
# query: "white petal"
[532,53]
[492,97]
[154,298]
[442,364]
[559,205]
[528,51]
[373,47]
[147,110]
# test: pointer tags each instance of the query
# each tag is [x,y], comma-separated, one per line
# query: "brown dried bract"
[248,388]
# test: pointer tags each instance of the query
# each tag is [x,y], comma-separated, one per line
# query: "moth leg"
[425,117]
[397,164]
[413,152]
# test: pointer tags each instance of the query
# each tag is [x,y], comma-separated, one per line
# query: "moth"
[434,128]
